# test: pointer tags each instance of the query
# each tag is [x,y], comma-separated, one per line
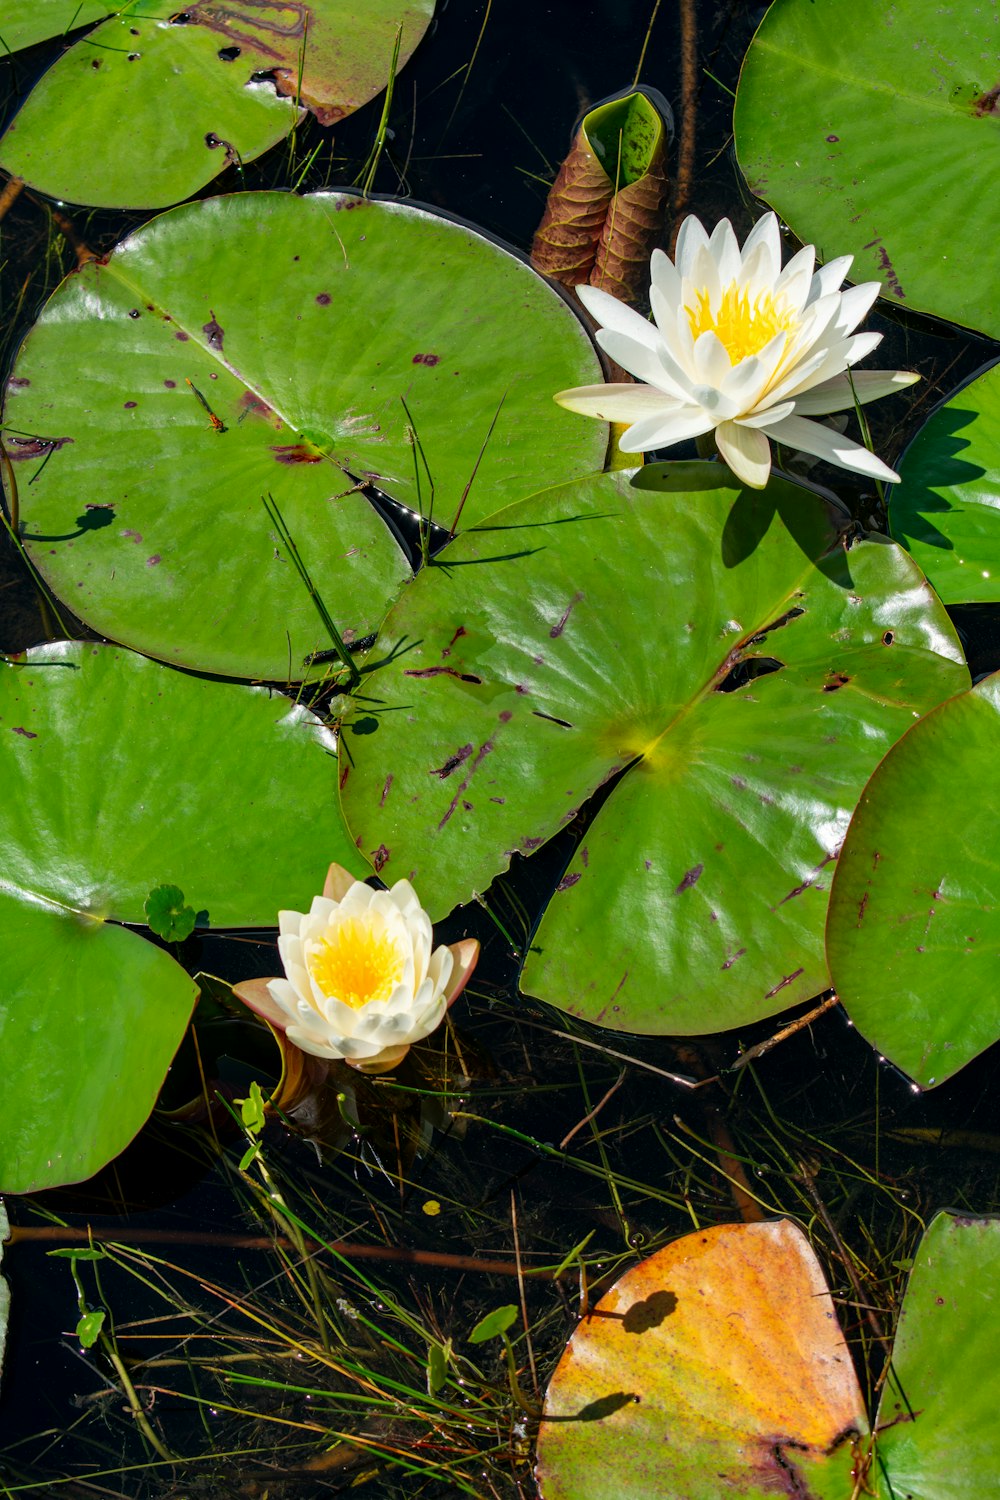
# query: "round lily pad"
[946,510]
[149,106]
[694,1378]
[914,927]
[720,649]
[833,97]
[269,345]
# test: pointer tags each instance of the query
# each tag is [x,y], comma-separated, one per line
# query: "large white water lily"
[741,348]
[361,982]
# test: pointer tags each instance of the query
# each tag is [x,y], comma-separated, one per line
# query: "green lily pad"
[937,1430]
[126,772]
[831,99]
[153,103]
[22,25]
[90,1018]
[129,775]
[946,510]
[595,627]
[300,325]
[914,928]
[696,1377]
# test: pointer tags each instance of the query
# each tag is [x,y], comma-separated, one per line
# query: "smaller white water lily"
[741,348]
[361,982]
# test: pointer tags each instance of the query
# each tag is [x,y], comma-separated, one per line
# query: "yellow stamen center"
[357,963]
[743,326]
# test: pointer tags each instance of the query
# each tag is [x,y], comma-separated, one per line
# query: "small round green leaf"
[714,1370]
[832,98]
[264,344]
[599,627]
[914,928]
[946,510]
[494,1324]
[149,106]
[168,915]
[937,1432]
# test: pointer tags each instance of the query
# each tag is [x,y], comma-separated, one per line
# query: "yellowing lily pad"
[713,1370]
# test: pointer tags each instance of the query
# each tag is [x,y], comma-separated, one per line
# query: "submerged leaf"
[167,914]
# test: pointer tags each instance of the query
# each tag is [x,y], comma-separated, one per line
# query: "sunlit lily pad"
[873,129]
[264,344]
[122,775]
[599,626]
[914,930]
[23,24]
[938,1437]
[714,1369]
[946,511]
[149,106]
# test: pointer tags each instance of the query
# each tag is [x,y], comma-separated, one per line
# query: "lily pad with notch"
[264,344]
[151,104]
[716,650]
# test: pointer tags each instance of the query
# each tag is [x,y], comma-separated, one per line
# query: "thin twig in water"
[475,467]
[689,90]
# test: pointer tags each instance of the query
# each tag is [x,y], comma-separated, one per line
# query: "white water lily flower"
[741,348]
[361,982]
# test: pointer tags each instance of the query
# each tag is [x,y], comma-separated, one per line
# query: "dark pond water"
[482,118]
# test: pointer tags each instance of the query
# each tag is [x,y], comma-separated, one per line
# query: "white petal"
[746,451]
[855,304]
[794,282]
[725,251]
[691,238]
[823,442]
[702,275]
[769,417]
[315,1046]
[290,921]
[861,345]
[290,950]
[746,382]
[711,399]
[664,277]
[615,315]
[284,997]
[323,908]
[440,968]
[640,360]
[838,395]
[711,358]
[404,897]
[764,233]
[617,403]
[828,278]
[759,269]
[663,432]
[358,899]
